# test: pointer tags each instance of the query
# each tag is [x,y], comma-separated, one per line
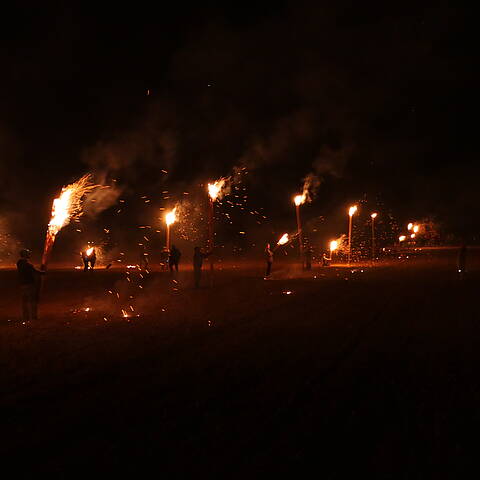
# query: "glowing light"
[284,239]
[215,189]
[412,235]
[299,199]
[352,210]
[89,251]
[171,217]
[374,215]
[416,228]
[402,238]
[410,226]
[67,206]
[333,245]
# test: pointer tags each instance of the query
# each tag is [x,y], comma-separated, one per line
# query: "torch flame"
[67,206]
[284,239]
[299,199]
[374,215]
[416,228]
[352,210]
[89,251]
[410,226]
[401,238]
[171,217]
[214,189]
[333,245]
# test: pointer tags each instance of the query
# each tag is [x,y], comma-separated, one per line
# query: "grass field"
[340,371]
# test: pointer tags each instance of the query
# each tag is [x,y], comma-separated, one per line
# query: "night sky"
[376,99]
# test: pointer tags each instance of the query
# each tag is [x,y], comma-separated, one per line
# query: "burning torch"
[373,216]
[333,247]
[67,206]
[299,200]
[170,218]
[351,212]
[214,192]
[284,239]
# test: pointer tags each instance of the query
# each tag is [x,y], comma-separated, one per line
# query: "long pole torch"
[211,210]
[373,216]
[298,200]
[351,213]
[214,190]
[170,218]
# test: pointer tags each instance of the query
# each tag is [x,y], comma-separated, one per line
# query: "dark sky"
[377,99]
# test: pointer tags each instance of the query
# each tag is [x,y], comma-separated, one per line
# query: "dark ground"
[371,372]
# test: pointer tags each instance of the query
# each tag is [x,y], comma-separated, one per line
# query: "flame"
[215,189]
[89,251]
[401,238]
[333,245]
[352,210]
[412,235]
[374,215]
[284,239]
[299,199]
[416,228]
[67,206]
[410,226]
[171,217]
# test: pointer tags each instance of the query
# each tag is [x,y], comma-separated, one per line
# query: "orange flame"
[410,226]
[215,189]
[67,206]
[402,238]
[416,228]
[284,239]
[333,245]
[89,251]
[374,215]
[171,217]
[352,210]
[299,199]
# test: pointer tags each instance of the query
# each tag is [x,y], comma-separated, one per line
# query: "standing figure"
[89,258]
[29,279]
[92,258]
[85,260]
[308,257]
[174,258]
[269,260]
[198,257]
[462,260]
[143,259]
[326,259]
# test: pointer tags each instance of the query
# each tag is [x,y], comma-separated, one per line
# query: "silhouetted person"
[29,279]
[89,260]
[174,258]
[269,260]
[144,259]
[462,260]
[326,260]
[85,261]
[308,258]
[92,258]
[198,257]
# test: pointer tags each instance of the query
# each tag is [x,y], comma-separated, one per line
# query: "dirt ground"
[338,371]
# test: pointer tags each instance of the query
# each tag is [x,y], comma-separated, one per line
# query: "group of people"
[30,277]
[306,260]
